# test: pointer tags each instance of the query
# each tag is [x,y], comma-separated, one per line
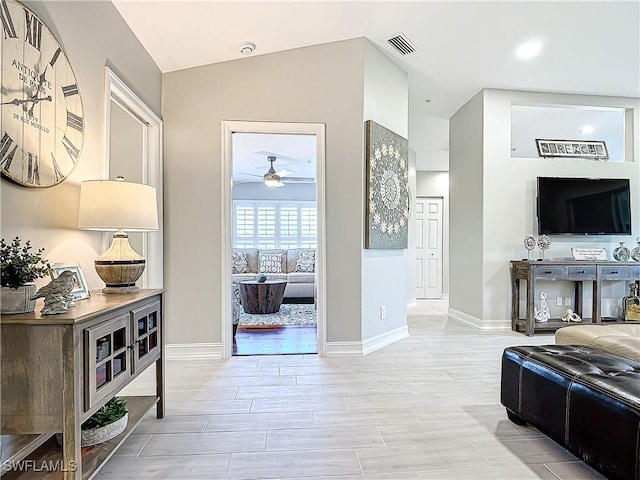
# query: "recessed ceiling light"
[529,49]
[586,130]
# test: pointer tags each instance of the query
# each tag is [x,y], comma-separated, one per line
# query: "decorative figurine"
[543,244]
[570,316]
[541,314]
[57,294]
[261,277]
[529,244]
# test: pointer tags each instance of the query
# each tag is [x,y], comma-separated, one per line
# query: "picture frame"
[387,188]
[587,149]
[80,290]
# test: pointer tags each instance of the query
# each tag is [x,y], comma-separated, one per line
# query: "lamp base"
[120,266]
[117,290]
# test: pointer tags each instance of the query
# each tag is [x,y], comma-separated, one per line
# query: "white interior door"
[429,247]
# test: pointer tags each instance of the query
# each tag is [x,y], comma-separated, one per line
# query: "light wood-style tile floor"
[425,408]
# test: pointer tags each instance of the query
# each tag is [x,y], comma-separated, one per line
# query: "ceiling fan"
[274,179]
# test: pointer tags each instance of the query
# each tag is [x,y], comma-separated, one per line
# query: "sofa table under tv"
[577,272]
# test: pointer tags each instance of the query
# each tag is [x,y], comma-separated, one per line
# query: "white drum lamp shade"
[118,206]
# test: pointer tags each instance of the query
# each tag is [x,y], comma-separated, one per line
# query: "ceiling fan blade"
[279,185]
[250,174]
[284,172]
[301,180]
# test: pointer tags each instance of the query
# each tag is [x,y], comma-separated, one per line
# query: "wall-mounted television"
[584,206]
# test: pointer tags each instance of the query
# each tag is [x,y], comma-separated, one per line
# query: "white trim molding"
[370,345]
[478,323]
[190,351]
[119,92]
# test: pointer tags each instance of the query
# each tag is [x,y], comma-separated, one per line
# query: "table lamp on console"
[118,206]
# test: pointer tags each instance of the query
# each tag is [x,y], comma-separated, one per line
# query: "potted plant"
[107,423]
[19,266]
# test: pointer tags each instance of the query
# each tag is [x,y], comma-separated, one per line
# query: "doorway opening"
[274,238]
[429,248]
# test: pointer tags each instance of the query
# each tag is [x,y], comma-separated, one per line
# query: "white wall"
[319,84]
[384,278]
[436,184]
[507,200]
[466,208]
[93,35]
[411,244]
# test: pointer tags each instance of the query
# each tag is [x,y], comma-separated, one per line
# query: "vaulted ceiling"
[588,47]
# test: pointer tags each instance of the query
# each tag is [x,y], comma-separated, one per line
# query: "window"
[268,225]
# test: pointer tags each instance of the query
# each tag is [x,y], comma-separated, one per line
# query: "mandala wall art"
[387,188]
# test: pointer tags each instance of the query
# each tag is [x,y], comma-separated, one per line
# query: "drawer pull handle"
[130,347]
[548,272]
[581,272]
[615,272]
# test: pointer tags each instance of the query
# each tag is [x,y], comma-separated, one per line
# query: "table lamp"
[118,206]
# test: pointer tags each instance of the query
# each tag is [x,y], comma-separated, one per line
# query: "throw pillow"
[270,263]
[239,262]
[306,261]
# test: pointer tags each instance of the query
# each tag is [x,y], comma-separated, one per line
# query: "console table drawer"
[611,273]
[548,272]
[582,273]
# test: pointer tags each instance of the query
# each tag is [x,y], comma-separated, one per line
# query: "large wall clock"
[41,115]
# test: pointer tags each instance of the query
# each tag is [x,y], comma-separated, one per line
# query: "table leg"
[71,439]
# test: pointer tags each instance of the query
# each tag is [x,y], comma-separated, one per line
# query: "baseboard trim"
[359,349]
[189,351]
[412,302]
[494,325]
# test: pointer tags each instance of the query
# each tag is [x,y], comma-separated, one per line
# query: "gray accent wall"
[384,277]
[465,208]
[93,35]
[318,84]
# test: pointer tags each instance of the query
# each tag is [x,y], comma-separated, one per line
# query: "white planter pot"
[98,435]
[17,300]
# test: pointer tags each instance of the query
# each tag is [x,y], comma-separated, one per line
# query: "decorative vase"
[630,303]
[621,253]
[94,436]
[635,253]
[18,300]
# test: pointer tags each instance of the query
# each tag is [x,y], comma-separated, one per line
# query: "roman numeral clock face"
[41,115]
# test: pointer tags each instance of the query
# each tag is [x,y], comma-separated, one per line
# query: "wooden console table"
[577,272]
[58,370]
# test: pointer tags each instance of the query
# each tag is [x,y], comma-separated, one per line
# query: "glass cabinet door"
[146,329]
[106,358]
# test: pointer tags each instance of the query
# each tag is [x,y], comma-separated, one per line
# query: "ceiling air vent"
[402,44]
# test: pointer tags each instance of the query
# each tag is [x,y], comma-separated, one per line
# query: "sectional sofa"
[295,265]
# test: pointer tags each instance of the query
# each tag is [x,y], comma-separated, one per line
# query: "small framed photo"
[589,149]
[80,290]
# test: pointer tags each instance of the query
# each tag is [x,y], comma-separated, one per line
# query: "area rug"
[290,314]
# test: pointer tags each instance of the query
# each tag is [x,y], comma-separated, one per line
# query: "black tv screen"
[584,206]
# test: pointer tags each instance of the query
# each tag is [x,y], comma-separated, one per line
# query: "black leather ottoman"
[583,398]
